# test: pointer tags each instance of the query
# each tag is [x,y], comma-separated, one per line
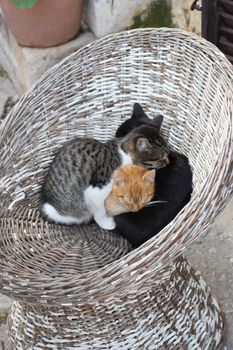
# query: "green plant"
[158,14]
[24,4]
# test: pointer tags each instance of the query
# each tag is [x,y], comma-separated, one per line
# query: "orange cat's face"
[134,186]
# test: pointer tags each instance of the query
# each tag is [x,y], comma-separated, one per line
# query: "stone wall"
[11,58]
[111,16]
[184,18]
[101,17]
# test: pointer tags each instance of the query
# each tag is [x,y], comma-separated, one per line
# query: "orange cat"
[133,187]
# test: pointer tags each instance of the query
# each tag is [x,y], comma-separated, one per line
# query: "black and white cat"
[173,189]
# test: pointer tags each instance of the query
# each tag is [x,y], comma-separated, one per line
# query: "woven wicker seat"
[80,287]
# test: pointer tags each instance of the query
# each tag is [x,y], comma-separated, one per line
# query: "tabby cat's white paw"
[107,223]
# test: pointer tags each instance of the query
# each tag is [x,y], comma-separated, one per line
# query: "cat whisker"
[150,162]
[149,165]
[154,202]
[154,164]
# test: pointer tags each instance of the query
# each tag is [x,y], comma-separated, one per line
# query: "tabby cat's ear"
[138,111]
[157,121]
[149,177]
[142,144]
[118,178]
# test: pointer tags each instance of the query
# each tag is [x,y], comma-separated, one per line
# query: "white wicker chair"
[80,287]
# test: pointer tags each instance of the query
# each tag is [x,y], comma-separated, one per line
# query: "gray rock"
[5,303]
[8,96]
[7,87]
[2,336]
[11,58]
[3,100]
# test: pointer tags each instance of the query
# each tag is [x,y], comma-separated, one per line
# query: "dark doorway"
[217,24]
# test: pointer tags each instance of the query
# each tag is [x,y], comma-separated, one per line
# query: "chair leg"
[177,310]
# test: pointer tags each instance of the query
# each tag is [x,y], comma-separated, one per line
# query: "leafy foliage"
[24,4]
[158,14]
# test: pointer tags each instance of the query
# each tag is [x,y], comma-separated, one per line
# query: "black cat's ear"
[157,121]
[138,111]
[142,144]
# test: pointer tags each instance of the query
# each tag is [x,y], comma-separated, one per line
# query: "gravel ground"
[212,255]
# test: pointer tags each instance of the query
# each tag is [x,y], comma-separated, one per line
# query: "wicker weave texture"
[176,313]
[90,93]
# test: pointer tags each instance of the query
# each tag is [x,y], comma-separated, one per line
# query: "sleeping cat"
[79,178]
[173,189]
[133,187]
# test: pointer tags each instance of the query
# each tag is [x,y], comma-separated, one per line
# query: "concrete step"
[25,65]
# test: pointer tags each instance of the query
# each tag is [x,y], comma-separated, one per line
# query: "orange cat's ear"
[118,178]
[142,144]
[149,177]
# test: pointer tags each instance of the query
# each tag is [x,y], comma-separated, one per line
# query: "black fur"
[173,185]
[139,118]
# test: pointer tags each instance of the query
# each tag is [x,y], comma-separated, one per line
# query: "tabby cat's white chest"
[126,158]
[95,196]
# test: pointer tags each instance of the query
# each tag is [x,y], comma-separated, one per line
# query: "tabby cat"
[79,178]
[173,191]
[133,187]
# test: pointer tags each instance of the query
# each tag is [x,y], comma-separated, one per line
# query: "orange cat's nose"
[135,208]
